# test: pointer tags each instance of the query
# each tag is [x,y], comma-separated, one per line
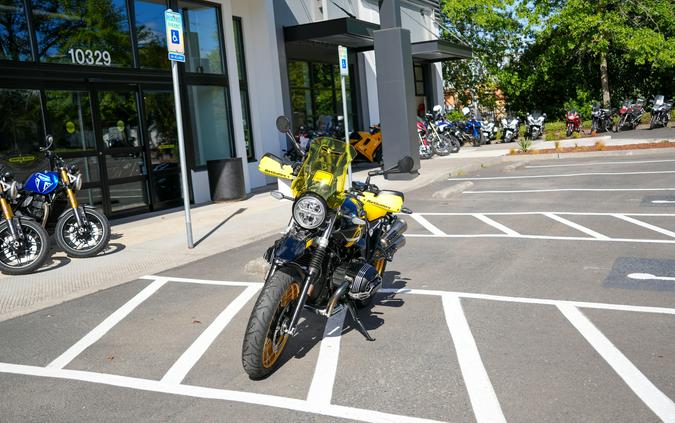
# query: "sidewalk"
[149,245]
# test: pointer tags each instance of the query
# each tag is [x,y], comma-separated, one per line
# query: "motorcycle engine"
[363,278]
[35,206]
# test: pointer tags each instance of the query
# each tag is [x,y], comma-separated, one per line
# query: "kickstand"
[355,317]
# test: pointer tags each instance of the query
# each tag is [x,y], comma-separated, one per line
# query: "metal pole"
[181,152]
[346,122]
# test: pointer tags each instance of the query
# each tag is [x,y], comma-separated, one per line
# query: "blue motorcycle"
[472,129]
[81,231]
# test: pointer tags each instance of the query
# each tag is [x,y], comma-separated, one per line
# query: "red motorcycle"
[426,150]
[573,122]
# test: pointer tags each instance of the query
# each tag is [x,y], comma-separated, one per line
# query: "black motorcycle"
[24,244]
[630,114]
[333,253]
[49,198]
[660,112]
[601,119]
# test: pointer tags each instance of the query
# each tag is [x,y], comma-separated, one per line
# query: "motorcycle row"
[47,203]
[627,117]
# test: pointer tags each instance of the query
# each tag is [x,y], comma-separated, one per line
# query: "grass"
[524,144]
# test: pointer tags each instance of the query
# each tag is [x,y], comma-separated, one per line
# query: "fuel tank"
[42,182]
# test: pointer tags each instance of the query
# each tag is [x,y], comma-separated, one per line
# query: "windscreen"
[324,170]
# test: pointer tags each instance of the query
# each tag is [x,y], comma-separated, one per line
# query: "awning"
[349,32]
[439,50]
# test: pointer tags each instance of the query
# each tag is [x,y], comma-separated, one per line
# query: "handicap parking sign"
[174,35]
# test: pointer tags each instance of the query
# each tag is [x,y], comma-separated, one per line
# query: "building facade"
[95,75]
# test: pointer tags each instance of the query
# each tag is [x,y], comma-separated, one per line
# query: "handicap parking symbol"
[175,37]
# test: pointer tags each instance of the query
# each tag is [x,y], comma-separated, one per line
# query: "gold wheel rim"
[273,348]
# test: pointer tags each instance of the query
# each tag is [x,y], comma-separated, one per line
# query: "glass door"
[121,150]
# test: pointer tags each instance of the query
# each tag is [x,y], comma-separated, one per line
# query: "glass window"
[128,196]
[125,165]
[202,38]
[419,80]
[210,123]
[91,196]
[151,33]
[21,123]
[162,138]
[70,121]
[166,187]
[119,119]
[83,32]
[14,39]
[298,74]
[243,86]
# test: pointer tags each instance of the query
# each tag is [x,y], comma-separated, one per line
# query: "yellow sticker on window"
[323,177]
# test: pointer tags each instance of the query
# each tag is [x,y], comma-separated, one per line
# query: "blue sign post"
[344,72]
[176,47]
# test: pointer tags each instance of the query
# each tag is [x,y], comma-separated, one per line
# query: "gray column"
[395,91]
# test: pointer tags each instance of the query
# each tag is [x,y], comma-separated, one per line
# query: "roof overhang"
[439,50]
[349,32]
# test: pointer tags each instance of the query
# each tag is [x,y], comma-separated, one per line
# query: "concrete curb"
[452,190]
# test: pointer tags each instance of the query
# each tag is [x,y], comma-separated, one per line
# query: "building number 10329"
[90,57]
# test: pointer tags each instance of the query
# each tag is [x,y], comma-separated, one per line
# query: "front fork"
[315,266]
[80,215]
[12,222]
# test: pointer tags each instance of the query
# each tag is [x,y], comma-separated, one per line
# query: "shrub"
[552,136]
[576,135]
[599,145]
[524,145]
[557,145]
[512,152]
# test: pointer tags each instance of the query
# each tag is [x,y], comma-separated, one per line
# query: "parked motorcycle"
[49,198]
[534,125]
[368,144]
[510,128]
[333,253]
[630,114]
[426,150]
[472,128]
[660,112]
[441,145]
[446,129]
[489,129]
[573,122]
[24,244]
[601,119]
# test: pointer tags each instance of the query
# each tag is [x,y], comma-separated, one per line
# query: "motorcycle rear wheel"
[31,253]
[265,341]
[91,241]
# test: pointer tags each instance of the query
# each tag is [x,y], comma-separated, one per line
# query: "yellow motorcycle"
[333,253]
[368,144]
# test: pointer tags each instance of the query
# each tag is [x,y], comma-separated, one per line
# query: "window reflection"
[21,123]
[160,115]
[119,119]
[202,38]
[210,123]
[83,32]
[14,39]
[151,33]
[70,121]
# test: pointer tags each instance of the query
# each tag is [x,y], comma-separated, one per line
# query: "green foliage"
[545,54]
[524,144]
[455,115]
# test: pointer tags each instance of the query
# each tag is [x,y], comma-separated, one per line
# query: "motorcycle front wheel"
[441,146]
[265,339]
[26,255]
[425,152]
[83,241]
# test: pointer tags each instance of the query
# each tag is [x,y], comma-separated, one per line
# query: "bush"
[552,136]
[599,145]
[524,145]
[557,145]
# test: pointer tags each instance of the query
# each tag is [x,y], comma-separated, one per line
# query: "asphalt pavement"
[541,292]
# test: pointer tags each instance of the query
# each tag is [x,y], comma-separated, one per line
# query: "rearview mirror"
[406,164]
[283,124]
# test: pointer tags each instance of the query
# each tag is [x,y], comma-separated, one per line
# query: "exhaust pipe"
[333,300]
[394,246]
[396,230]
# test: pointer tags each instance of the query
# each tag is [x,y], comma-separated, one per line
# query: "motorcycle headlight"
[309,211]
[76,181]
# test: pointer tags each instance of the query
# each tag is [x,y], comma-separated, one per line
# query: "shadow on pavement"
[209,233]
[53,263]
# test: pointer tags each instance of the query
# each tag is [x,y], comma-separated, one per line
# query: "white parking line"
[563,175]
[628,162]
[321,389]
[525,191]
[576,226]
[103,328]
[656,400]
[483,399]
[649,276]
[645,225]
[191,356]
[508,231]
[427,225]
[663,201]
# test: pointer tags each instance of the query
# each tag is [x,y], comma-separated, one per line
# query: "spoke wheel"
[86,240]
[22,256]
[266,337]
